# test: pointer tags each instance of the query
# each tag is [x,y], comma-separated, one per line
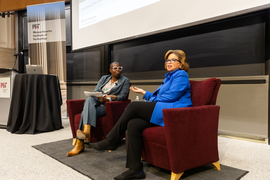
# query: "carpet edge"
[60,160]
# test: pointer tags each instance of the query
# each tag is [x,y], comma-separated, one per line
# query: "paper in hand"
[95,94]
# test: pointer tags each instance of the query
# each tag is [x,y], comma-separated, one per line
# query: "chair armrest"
[74,107]
[191,135]
[114,110]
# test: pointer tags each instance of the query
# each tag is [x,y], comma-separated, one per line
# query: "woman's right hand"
[102,99]
[137,90]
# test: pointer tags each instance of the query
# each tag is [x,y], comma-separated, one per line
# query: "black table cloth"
[35,104]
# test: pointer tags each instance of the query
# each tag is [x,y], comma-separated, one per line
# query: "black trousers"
[135,119]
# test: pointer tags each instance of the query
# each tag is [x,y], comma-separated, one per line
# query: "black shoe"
[103,145]
[131,174]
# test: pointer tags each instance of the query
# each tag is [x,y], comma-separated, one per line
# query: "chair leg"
[176,176]
[216,165]
[74,141]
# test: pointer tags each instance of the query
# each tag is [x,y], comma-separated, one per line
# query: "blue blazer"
[121,90]
[173,93]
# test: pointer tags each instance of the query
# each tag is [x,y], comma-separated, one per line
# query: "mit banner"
[43,31]
[47,40]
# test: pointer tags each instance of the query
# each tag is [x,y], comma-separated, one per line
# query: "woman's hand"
[102,99]
[137,90]
[112,96]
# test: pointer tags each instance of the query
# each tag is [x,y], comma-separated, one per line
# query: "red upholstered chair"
[114,110]
[189,137]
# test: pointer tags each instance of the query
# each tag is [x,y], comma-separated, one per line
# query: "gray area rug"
[104,165]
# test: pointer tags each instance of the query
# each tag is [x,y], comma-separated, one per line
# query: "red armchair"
[114,110]
[189,137]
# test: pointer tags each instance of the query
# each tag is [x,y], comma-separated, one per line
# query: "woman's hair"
[181,57]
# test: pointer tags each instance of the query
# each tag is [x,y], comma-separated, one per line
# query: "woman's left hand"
[137,90]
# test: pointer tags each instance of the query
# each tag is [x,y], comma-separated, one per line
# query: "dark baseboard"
[3,126]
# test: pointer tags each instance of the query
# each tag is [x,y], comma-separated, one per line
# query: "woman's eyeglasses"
[171,60]
[119,68]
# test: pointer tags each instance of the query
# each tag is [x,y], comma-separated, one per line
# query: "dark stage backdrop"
[226,43]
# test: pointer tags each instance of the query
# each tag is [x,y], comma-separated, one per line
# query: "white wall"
[7,35]
[7,43]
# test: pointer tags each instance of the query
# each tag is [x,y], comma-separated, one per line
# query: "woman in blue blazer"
[113,87]
[173,93]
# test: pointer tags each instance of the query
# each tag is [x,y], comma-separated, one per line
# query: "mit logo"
[4,85]
[35,26]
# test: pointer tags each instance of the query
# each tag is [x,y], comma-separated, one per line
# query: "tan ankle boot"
[79,147]
[85,134]
[86,130]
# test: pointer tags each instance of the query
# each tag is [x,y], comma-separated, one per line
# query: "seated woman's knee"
[131,124]
[133,105]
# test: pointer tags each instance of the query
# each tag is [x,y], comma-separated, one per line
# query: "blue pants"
[92,110]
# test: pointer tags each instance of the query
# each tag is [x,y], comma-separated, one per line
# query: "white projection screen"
[99,22]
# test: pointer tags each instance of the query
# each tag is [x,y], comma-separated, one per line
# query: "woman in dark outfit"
[173,93]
